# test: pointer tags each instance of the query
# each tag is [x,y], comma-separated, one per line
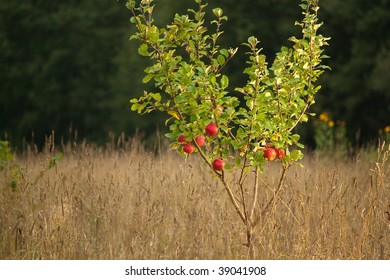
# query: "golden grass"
[127,203]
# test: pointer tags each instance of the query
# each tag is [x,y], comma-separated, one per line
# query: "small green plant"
[330,135]
[239,134]
[5,154]
[12,171]
[384,134]
[8,167]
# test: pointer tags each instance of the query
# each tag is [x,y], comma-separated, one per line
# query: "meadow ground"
[128,203]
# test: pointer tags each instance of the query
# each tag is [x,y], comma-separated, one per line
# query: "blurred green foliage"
[68,65]
[9,169]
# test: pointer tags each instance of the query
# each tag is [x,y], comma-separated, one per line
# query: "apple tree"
[233,135]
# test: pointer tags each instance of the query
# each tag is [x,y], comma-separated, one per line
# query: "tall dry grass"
[127,203]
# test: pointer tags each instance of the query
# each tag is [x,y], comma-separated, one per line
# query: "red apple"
[270,154]
[218,164]
[181,139]
[211,129]
[188,148]
[200,140]
[280,153]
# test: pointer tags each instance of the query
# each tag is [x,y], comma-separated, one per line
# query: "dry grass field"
[128,203]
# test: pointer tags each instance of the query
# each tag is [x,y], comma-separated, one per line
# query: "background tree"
[357,90]
[56,62]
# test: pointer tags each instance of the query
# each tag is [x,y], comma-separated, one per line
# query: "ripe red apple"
[280,153]
[188,148]
[181,139]
[200,140]
[218,164]
[270,154]
[211,129]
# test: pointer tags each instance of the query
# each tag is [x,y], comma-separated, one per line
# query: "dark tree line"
[69,64]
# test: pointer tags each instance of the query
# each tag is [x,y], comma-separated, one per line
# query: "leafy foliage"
[191,87]
[9,169]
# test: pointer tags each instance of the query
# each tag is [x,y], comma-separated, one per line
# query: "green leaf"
[180,99]
[141,107]
[224,81]
[221,60]
[134,107]
[153,33]
[143,50]
[304,118]
[224,52]
[295,138]
[296,155]
[134,100]
[252,41]
[156,96]
[218,12]
[148,77]
[130,4]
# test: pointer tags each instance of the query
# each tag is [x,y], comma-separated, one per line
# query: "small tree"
[241,134]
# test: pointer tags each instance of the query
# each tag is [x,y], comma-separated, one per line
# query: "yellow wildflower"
[387,129]
[331,123]
[324,117]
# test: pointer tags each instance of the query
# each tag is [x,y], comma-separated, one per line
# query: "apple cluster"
[188,148]
[211,130]
[271,153]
